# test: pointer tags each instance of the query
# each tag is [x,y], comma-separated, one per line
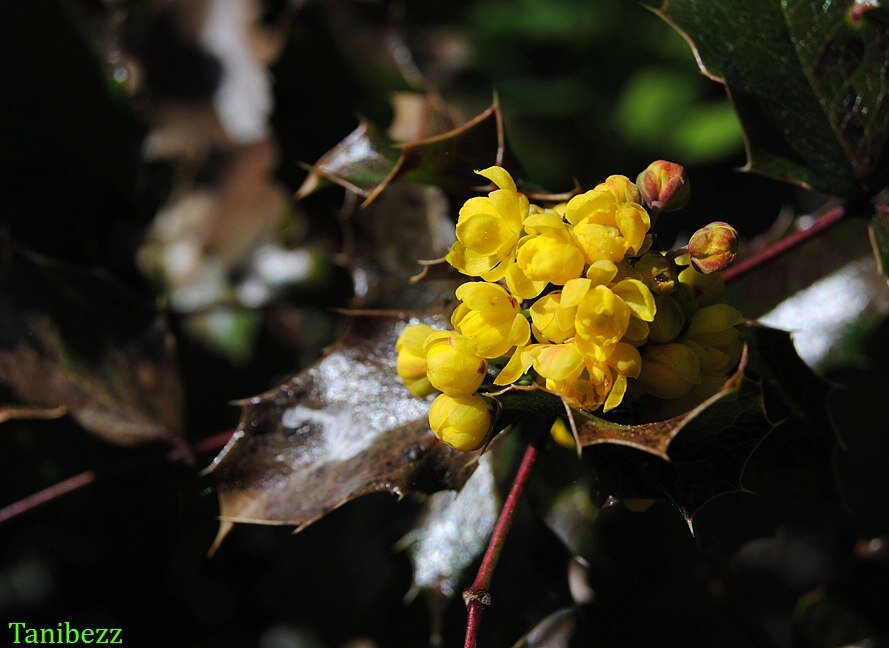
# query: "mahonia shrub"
[571,298]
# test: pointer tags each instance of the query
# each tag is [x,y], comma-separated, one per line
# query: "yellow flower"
[548,253]
[669,370]
[602,320]
[623,189]
[488,228]
[463,422]
[550,322]
[606,229]
[625,362]
[452,365]
[490,318]
[411,362]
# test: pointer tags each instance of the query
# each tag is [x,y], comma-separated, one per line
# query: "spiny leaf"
[808,82]
[74,339]
[366,162]
[452,531]
[344,427]
[687,460]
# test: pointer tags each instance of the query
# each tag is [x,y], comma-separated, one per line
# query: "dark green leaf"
[75,339]
[687,460]
[344,427]
[807,80]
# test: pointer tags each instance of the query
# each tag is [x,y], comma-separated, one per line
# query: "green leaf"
[366,162]
[344,427]
[807,80]
[687,460]
[75,339]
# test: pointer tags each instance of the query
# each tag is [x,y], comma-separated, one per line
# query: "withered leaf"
[344,427]
[75,339]
[366,162]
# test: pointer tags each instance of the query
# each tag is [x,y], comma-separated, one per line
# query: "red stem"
[477,596]
[825,222]
[84,479]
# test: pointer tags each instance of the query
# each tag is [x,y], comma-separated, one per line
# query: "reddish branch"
[477,596]
[182,453]
[825,222]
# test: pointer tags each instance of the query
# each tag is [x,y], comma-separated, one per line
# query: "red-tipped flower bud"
[713,247]
[664,186]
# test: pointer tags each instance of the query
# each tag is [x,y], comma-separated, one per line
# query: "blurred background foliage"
[160,142]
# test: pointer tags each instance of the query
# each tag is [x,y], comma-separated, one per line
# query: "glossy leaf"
[75,339]
[344,427]
[366,162]
[807,80]
[688,459]
[452,531]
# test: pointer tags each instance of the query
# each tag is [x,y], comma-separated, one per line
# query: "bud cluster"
[571,298]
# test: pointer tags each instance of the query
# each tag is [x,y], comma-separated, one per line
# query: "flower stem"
[477,597]
[771,253]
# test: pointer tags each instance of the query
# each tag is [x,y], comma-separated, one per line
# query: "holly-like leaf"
[808,81]
[451,533]
[75,339]
[344,427]
[688,459]
[366,162]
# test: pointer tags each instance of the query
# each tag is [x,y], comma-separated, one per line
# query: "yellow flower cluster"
[608,317]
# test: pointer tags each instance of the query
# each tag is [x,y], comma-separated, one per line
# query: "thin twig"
[825,222]
[477,597]
[84,479]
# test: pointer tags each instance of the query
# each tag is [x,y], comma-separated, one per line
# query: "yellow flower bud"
[707,289]
[411,362]
[668,320]
[669,370]
[623,189]
[452,366]
[713,247]
[463,422]
[712,333]
[664,186]
[489,316]
[657,272]
[637,296]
